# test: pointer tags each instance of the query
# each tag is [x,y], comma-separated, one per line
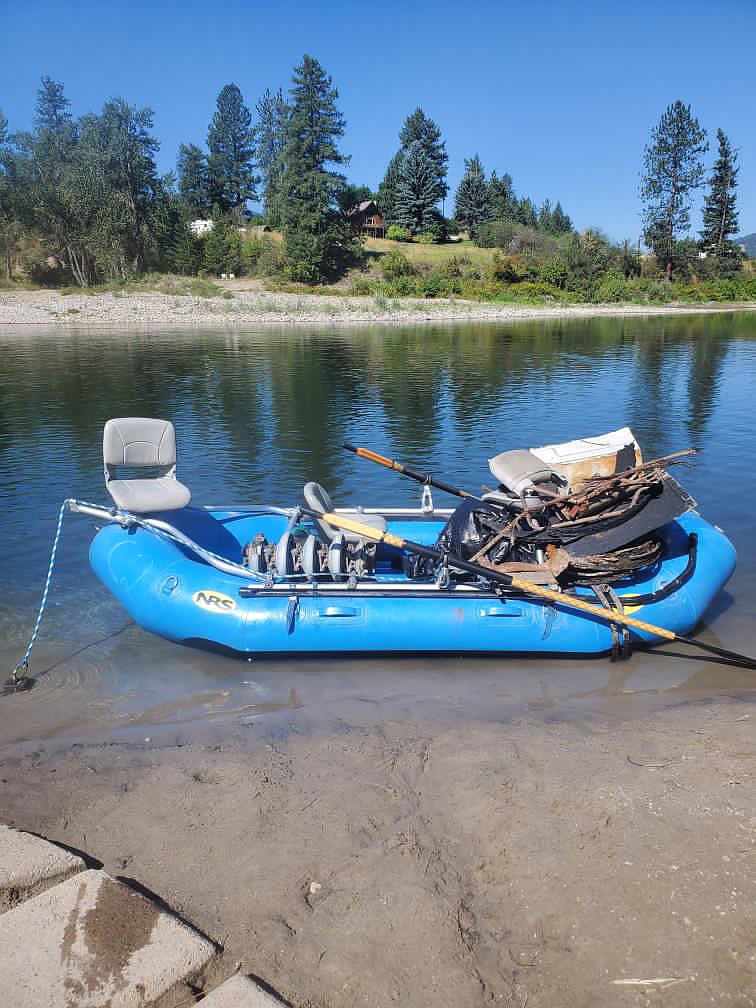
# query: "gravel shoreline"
[243,306]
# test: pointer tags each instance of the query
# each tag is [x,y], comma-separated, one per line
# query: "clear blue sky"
[562,95]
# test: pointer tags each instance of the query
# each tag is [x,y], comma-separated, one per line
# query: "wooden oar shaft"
[351,525]
[372,456]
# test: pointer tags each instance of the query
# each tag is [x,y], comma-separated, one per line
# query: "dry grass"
[432,256]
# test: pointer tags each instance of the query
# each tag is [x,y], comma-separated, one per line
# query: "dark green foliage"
[720,217]
[387,188]
[472,204]
[318,238]
[560,222]
[418,128]
[115,156]
[526,213]
[418,191]
[350,195]
[230,169]
[502,197]
[395,264]
[222,246]
[193,179]
[672,171]
[496,234]
[269,141]
[52,106]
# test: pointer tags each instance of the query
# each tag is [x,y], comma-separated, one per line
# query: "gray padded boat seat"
[520,470]
[319,500]
[136,443]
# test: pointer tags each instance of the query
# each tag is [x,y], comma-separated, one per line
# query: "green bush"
[553,271]
[396,233]
[361,287]
[395,264]
[496,234]
[505,269]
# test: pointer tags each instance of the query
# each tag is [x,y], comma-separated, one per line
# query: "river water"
[260,412]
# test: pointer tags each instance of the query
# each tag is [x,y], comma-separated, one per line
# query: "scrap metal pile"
[598,533]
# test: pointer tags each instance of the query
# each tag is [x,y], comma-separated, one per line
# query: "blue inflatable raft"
[267,580]
[171,590]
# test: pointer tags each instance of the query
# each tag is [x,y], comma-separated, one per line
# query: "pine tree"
[8,216]
[270,138]
[560,221]
[546,216]
[230,142]
[418,128]
[720,218]
[672,171]
[193,182]
[387,188]
[472,204]
[502,197]
[52,106]
[318,238]
[526,212]
[418,191]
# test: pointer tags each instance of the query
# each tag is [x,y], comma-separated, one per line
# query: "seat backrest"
[318,499]
[139,441]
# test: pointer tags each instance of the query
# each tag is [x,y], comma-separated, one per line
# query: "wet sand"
[245,303]
[515,833]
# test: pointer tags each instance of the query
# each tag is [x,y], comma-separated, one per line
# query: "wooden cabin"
[366,219]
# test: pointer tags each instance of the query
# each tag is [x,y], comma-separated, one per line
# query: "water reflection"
[260,412]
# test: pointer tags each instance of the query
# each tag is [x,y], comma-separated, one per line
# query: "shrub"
[361,287]
[554,272]
[505,269]
[496,234]
[396,233]
[395,264]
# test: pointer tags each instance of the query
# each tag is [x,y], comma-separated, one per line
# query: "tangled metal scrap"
[542,536]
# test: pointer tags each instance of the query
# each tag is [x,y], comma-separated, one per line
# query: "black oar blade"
[733,657]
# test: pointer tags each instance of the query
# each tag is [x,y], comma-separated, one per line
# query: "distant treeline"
[82,200]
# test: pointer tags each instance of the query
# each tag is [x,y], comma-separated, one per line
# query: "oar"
[366,453]
[569,601]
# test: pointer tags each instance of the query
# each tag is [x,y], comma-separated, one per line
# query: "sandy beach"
[243,304]
[395,854]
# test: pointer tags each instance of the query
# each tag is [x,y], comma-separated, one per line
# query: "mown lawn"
[432,256]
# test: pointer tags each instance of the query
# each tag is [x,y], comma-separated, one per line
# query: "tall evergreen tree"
[526,212]
[502,197]
[387,188]
[52,106]
[8,217]
[546,216]
[672,171]
[193,182]
[472,204]
[560,221]
[720,217]
[419,128]
[317,236]
[270,138]
[418,191]
[230,167]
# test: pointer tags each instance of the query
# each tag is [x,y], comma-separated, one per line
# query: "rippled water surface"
[260,412]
